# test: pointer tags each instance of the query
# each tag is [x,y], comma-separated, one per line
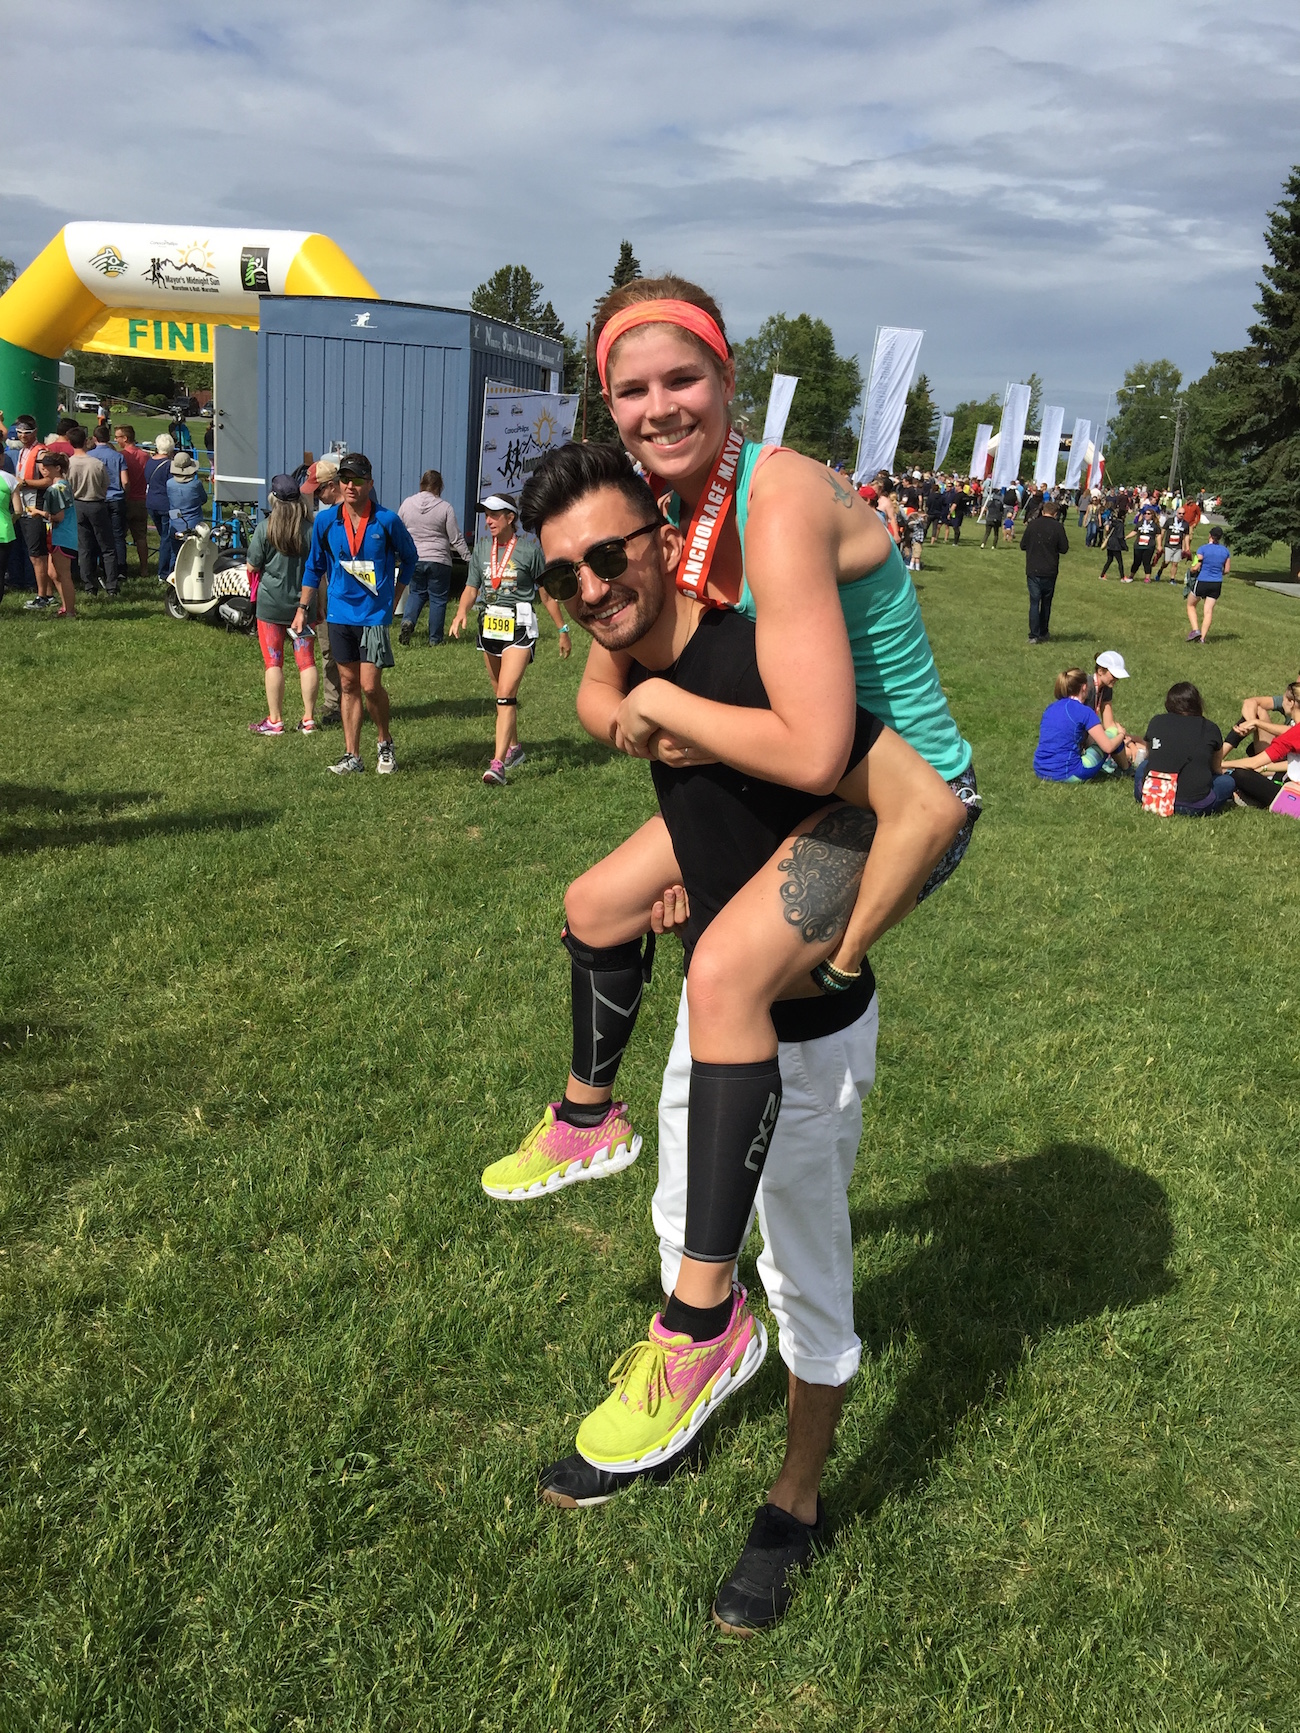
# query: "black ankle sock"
[700,1323]
[583,1114]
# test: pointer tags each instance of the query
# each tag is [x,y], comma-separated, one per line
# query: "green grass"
[277,1378]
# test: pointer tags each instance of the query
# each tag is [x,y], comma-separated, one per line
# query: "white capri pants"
[803,1206]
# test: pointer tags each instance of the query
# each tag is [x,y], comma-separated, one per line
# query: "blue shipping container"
[401,382]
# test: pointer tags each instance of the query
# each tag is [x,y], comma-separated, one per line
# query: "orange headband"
[693,319]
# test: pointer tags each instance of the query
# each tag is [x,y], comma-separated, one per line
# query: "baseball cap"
[1113,663]
[284,487]
[321,474]
[357,465]
[498,502]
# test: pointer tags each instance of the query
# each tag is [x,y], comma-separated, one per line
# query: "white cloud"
[1040,187]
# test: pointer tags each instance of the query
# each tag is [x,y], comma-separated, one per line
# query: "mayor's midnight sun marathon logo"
[109,261]
[188,272]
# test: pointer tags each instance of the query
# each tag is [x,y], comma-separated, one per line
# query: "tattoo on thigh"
[821,872]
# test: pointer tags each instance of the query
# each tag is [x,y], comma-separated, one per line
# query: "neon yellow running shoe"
[666,1387]
[555,1154]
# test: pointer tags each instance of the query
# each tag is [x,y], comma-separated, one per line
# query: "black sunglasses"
[607,560]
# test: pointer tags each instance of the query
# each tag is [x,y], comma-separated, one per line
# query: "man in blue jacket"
[364,550]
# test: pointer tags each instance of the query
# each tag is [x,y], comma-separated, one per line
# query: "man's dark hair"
[1182,699]
[569,474]
[1050,508]
[77,436]
[431,481]
[102,434]
[126,428]
[25,421]
[1216,534]
[62,425]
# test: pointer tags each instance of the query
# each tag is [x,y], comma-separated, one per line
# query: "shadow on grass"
[1007,1254]
[14,796]
[444,707]
[31,840]
[545,756]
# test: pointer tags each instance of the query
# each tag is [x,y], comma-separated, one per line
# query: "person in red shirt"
[137,512]
[1254,774]
[27,499]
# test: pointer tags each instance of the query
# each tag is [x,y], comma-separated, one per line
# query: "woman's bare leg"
[63,582]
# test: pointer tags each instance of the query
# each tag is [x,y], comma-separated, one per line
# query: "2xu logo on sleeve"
[763,1136]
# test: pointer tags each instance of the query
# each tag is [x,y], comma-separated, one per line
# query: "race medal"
[706,526]
[362,570]
[498,621]
[499,568]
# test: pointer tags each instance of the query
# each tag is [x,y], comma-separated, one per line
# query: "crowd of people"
[1178,761]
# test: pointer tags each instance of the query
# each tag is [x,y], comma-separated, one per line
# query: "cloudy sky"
[1045,186]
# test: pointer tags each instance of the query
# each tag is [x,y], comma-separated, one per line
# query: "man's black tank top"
[726,825]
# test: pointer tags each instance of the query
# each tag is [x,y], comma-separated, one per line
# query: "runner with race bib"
[503,572]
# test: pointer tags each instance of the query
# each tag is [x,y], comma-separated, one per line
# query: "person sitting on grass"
[1072,744]
[277,555]
[1184,743]
[1108,668]
[1253,776]
[1256,722]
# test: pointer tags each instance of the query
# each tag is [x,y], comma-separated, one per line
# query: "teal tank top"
[892,660]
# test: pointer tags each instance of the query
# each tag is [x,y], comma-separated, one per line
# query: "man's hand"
[672,911]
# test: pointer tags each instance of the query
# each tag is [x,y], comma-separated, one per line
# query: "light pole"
[1180,416]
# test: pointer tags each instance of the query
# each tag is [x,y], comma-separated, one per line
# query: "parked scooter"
[209,581]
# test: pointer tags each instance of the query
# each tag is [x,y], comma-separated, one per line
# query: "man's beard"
[646,607]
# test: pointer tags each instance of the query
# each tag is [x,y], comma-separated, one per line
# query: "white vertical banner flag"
[779,399]
[945,439]
[1094,474]
[1078,453]
[979,457]
[1049,444]
[892,366]
[1011,436]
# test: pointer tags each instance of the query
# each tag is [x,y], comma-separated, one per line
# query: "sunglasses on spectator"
[605,560]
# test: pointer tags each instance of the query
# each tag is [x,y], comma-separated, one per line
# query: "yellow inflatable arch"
[133,289]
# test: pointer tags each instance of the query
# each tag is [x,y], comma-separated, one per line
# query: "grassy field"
[276,1378]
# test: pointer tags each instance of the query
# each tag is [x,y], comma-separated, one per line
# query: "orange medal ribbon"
[705,526]
[497,567]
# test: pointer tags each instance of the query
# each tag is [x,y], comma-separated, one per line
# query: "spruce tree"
[598,421]
[1259,411]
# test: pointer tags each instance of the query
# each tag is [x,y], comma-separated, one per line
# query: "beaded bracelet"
[833,980]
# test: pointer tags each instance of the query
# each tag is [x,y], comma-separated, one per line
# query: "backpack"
[1159,789]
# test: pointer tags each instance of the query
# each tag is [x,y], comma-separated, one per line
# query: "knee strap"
[505,701]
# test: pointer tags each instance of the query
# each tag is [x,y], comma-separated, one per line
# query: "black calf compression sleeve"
[732,1115]
[606,988]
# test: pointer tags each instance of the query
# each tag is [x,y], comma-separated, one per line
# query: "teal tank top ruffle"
[897,680]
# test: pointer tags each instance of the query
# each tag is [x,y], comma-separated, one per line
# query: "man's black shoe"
[758,1591]
[404,636]
[573,1484]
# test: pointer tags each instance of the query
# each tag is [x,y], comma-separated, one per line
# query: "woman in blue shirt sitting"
[1073,746]
[1209,569]
[186,496]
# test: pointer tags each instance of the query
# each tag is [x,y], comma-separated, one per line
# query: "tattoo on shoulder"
[819,876]
[845,496]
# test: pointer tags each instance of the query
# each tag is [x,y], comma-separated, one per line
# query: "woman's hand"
[636,722]
[455,628]
[566,646]
[676,754]
[672,910]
